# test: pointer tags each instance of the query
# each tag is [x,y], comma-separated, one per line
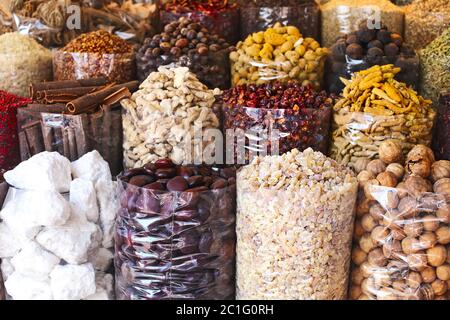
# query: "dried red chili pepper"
[9,143]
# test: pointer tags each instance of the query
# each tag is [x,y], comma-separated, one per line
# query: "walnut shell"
[368,191]
[361,164]
[376,167]
[390,151]
[419,161]
[437,255]
[417,186]
[397,169]
[387,179]
[442,186]
[408,207]
[440,169]
[364,176]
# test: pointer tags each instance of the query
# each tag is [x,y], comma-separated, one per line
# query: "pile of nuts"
[374,108]
[94,55]
[300,115]
[187,44]
[278,53]
[402,230]
[160,119]
[294,227]
[175,236]
[366,47]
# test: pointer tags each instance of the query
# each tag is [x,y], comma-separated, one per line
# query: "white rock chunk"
[21,287]
[44,171]
[91,167]
[105,285]
[73,282]
[6,268]
[83,199]
[34,262]
[9,245]
[109,206]
[101,259]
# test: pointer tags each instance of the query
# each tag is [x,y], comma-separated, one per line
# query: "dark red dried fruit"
[141,180]
[177,184]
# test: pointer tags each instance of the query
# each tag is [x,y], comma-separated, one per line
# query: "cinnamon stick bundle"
[52,85]
[63,95]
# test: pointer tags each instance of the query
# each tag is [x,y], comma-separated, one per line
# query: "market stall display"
[187,44]
[434,62]
[56,232]
[425,20]
[366,47]
[340,17]
[402,231]
[22,61]
[161,119]
[175,233]
[218,16]
[294,227]
[73,118]
[375,107]
[257,15]
[278,53]
[95,54]
[276,117]
[441,142]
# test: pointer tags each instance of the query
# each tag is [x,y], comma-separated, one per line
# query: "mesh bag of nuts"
[441,142]
[294,227]
[340,17]
[94,55]
[402,231]
[366,47]
[260,15]
[175,233]
[376,107]
[278,53]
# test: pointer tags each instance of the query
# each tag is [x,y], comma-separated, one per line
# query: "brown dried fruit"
[397,169]
[390,151]
[440,169]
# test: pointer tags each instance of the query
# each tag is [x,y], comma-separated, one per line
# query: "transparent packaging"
[72,135]
[175,245]
[340,17]
[402,250]
[271,130]
[358,135]
[294,244]
[441,142]
[257,17]
[3,192]
[117,67]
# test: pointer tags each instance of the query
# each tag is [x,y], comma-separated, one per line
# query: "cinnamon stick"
[106,134]
[58,143]
[114,98]
[65,140]
[37,87]
[81,130]
[34,139]
[63,95]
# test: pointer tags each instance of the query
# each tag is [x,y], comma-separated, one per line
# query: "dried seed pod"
[390,151]
[440,169]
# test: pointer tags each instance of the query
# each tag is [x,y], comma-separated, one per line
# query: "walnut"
[380,234]
[410,245]
[361,164]
[443,235]
[401,190]
[368,222]
[392,248]
[408,207]
[363,207]
[437,255]
[357,276]
[366,243]
[427,240]
[364,176]
[439,287]
[443,272]
[428,274]
[414,279]
[376,167]
[368,190]
[442,186]
[440,169]
[443,213]
[376,258]
[417,186]
[413,228]
[358,256]
[355,292]
[430,223]
[392,198]
[377,211]
[387,179]
[397,169]
[358,230]
[417,261]
[390,151]
[419,161]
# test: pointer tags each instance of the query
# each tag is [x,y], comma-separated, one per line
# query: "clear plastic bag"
[72,135]
[305,16]
[401,251]
[3,192]
[358,135]
[175,245]
[441,142]
[117,67]
[277,130]
[341,17]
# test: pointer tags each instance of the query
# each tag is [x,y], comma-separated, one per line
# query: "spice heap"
[441,143]
[375,107]
[278,53]
[402,230]
[294,227]
[22,61]
[160,118]
[340,17]
[434,64]
[74,117]
[95,54]
[425,20]
[187,44]
[295,116]
[53,247]
[9,144]
[218,16]
[192,209]
[366,47]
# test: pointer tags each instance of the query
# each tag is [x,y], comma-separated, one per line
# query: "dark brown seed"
[177,184]
[164,163]
[197,189]
[166,173]
[219,184]
[182,43]
[155,186]
[195,181]
[141,180]
[185,171]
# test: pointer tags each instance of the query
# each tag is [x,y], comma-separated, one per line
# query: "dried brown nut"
[392,198]
[357,276]
[364,176]
[428,274]
[442,186]
[361,164]
[427,240]
[408,207]
[366,269]
[368,222]
[390,151]
[425,292]
[387,179]
[417,261]
[439,287]
[401,190]
[355,292]
[376,258]
[376,167]
[358,256]
[358,230]
[437,255]
[430,222]
[410,245]
[440,169]
[366,243]
[413,228]
[397,169]
[419,161]
[398,234]
[443,213]
[368,190]
[363,207]
[414,279]
[443,235]
[392,248]
[380,234]
[417,186]
[443,272]
[377,211]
